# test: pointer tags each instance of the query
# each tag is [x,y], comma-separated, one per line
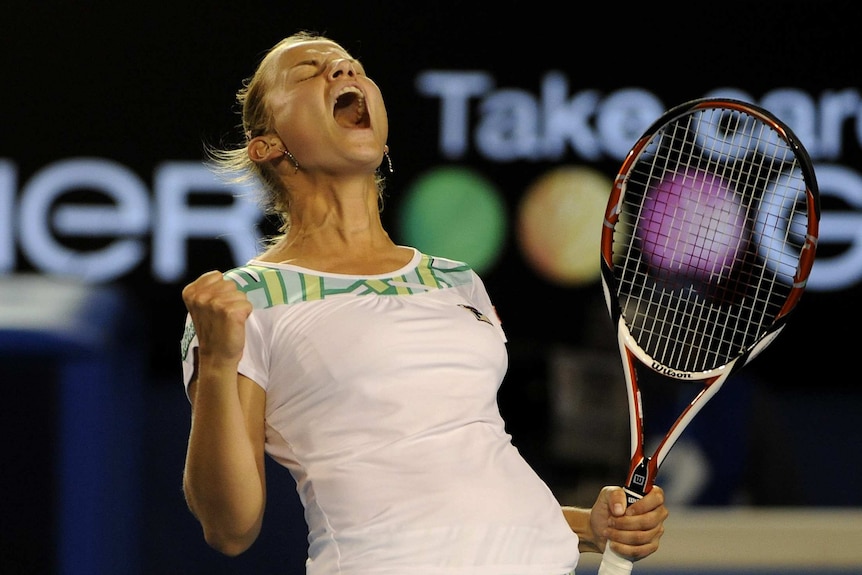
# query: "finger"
[652,500]
[211,289]
[201,284]
[617,502]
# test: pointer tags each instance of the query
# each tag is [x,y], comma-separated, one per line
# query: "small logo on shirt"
[479,315]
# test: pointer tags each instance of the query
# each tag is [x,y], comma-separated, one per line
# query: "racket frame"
[644,468]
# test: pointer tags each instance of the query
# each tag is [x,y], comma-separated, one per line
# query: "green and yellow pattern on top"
[270,286]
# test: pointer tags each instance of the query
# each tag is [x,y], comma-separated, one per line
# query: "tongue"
[347,116]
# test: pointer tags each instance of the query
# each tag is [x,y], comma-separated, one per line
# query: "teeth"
[347,89]
[352,90]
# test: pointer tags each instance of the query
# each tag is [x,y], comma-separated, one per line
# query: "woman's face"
[328,113]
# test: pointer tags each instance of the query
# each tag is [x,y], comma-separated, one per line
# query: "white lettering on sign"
[45,225]
[501,125]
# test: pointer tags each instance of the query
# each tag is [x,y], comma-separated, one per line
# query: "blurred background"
[508,121]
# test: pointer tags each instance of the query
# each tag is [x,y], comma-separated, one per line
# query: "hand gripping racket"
[708,240]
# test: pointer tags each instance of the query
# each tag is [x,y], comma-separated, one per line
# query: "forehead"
[312,50]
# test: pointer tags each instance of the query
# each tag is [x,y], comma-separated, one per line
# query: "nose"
[341,67]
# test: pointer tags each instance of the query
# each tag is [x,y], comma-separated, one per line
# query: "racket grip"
[613,563]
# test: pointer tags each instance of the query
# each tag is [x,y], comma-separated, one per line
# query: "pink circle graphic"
[692,225]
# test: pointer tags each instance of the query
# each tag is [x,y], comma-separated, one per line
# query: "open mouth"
[350,110]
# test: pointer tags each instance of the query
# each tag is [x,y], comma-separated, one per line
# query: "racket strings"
[709,238]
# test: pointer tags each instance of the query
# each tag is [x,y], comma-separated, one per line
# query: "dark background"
[141,83]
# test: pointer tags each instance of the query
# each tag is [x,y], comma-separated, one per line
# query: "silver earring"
[292,160]
[389,161]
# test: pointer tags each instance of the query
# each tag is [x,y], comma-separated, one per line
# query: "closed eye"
[307,70]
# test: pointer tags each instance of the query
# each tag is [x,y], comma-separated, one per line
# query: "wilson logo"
[670,372]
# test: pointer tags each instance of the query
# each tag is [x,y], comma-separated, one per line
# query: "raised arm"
[224,480]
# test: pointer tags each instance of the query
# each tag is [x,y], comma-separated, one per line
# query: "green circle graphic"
[455,213]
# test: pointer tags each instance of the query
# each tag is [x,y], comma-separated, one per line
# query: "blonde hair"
[233,162]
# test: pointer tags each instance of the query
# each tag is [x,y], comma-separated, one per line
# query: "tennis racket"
[708,240]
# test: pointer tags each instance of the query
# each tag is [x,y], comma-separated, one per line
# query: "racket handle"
[614,564]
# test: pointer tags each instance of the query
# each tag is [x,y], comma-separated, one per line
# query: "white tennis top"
[381,400]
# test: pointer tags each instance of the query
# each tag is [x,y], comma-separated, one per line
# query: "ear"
[265,149]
